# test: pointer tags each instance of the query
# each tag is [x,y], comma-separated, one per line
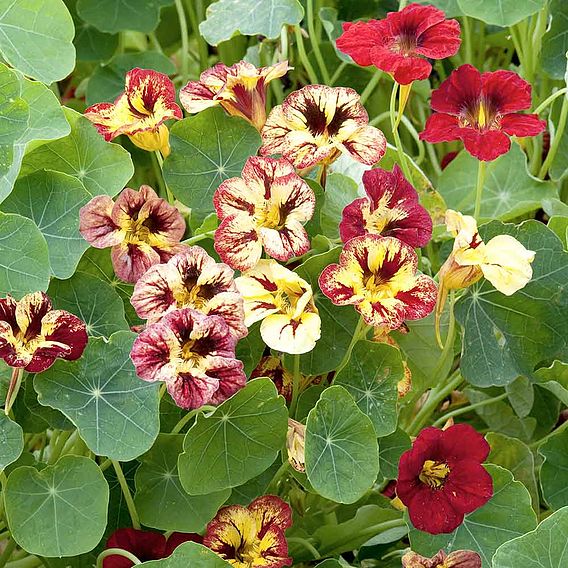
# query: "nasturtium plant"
[283,283]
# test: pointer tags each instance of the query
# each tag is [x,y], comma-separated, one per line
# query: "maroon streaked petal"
[379,183]
[352,221]
[96,224]
[330,284]
[146,89]
[441,127]
[153,292]
[405,69]
[229,306]
[237,242]
[415,19]
[415,229]
[191,391]
[8,310]
[421,299]
[522,125]
[196,96]
[164,220]
[152,351]
[274,132]
[7,350]
[261,173]
[283,244]
[230,375]
[131,261]
[272,510]
[65,328]
[30,311]
[460,90]
[506,91]
[128,205]
[367,145]
[382,314]
[102,117]
[440,41]
[235,197]
[145,545]
[487,145]
[359,38]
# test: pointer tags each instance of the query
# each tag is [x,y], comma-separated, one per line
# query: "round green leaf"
[225,18]
[52,201]
[554,379]
[91,299]
[160,499]
[36,36]
[545,547]
[11,441]
[342,456]
[500,12]
[509,191]
[118,15]
[115,412]
[14,110]
[391,447]
[24,258]
[102,167]
[237,442]
[553,470]
[189,554]
[507,336]
[555,40]
[340,191]
[371,377]
[206,150]
[507,515]
[60,510]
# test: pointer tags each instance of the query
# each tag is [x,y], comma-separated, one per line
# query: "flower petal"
[506,91]
[130,261]
[367,145]
[145,545]
[440,40]
[405,69]
[441,127]
[522,125]
[294,336]
[358,38]
[96,225]
[289,241]
[421,299]
[229,306]
[237,242]
[153,292]
[487,145]
[468,486]
[192,390]
[235,196]
[461,89]
[229,372]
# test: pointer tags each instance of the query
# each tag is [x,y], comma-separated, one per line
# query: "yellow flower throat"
[434,473]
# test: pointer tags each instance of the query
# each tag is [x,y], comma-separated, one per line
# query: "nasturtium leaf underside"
[509,191]
[11,441]
[207,149]
[507,515]
[36,38]
[102,167]
[53,200]
[553,470]
[92,300]
[60,510]
[342,458]
[160,499]
[338,323]
[507,336]
[115,412]
[190,554]
[500,12]
[545,547]
[24,257]
[371,377]
[237,442]
[225,18]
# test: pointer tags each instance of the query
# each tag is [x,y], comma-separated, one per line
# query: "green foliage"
[500,12]
[552,471]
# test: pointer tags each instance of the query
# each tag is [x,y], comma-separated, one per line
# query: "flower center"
[271,216]
[139,230]
[434,473]
[405,44]
[481,116]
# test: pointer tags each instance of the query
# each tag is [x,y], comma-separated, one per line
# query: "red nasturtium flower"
[265,208]
[239,89]
[253,536]
[315,124]
[190,279]
[33,335]
[141,228]
[391,209]
[481,110]
[149,99]
[377,275]
[441,479]
[271,367]
[145,545]
[401,42]
[456,559]
[194,354]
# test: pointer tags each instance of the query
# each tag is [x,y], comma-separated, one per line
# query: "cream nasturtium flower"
[503,260]
[284,302]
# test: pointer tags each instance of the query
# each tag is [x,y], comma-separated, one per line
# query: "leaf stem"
[116,552]
[296,380]
[58,446]
[7,553]
[127,495]
[539,443]
[160,159]
[337,73]
[556,141]
[185,419]
[13,388]
[464,409]
[184,41]
[195,9]
[306,544]
[199,237]
[315,42]
[371,86]
[481,171]
[360,333]
[304,56]
[550,100]
[394,128]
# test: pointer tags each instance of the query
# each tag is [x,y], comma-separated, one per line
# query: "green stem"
[306,544]
[127,495]
[28,562]
[560,428]
[184,41]
[481,171]
[195,10]
[436,396]
[185,419]
[58,446]
[155,42]
[360,333]
[549,100]
[467,40]
[394,127]
[13,388]
[296,379]
[160,159]
[337,72]
[304,56]
[556,141]
[200,237]
[116,552]
[315,42]
[371,86]
[7,553]
[459,411]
